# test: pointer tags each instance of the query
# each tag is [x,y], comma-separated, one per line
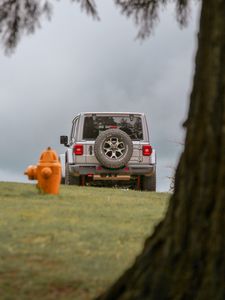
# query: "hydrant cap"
[49,155]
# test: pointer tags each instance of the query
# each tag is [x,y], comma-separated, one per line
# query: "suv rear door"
[92,124]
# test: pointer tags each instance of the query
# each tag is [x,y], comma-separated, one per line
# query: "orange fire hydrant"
[47,172]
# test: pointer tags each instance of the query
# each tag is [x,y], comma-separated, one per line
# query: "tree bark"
[185,256]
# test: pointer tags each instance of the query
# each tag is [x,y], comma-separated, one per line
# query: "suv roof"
[109,113]
[113,112]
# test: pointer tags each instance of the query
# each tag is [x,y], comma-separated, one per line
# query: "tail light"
[78,149]
[147,150]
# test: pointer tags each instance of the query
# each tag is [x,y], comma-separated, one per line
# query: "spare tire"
[113,148]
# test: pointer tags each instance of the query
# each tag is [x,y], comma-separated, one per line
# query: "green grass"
[70,246]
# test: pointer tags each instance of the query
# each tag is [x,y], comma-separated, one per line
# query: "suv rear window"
[94,125]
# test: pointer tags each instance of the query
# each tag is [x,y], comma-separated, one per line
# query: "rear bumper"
[77,170]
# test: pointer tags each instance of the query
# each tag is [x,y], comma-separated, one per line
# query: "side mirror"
[64,140]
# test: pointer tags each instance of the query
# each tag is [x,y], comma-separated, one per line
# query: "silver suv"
[109,147]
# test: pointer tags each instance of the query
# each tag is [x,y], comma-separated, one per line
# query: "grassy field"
[70,246]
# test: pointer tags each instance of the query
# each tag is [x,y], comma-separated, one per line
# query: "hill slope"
[73,245]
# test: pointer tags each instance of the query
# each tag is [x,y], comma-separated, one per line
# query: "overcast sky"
[75,64]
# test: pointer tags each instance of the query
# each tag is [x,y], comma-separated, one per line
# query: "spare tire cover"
[113,148]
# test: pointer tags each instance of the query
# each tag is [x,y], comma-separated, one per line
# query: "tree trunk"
[185,257]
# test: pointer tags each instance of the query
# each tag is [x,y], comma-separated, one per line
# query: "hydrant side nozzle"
[31,172]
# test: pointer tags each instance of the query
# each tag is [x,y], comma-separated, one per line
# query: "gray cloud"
[74,64]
